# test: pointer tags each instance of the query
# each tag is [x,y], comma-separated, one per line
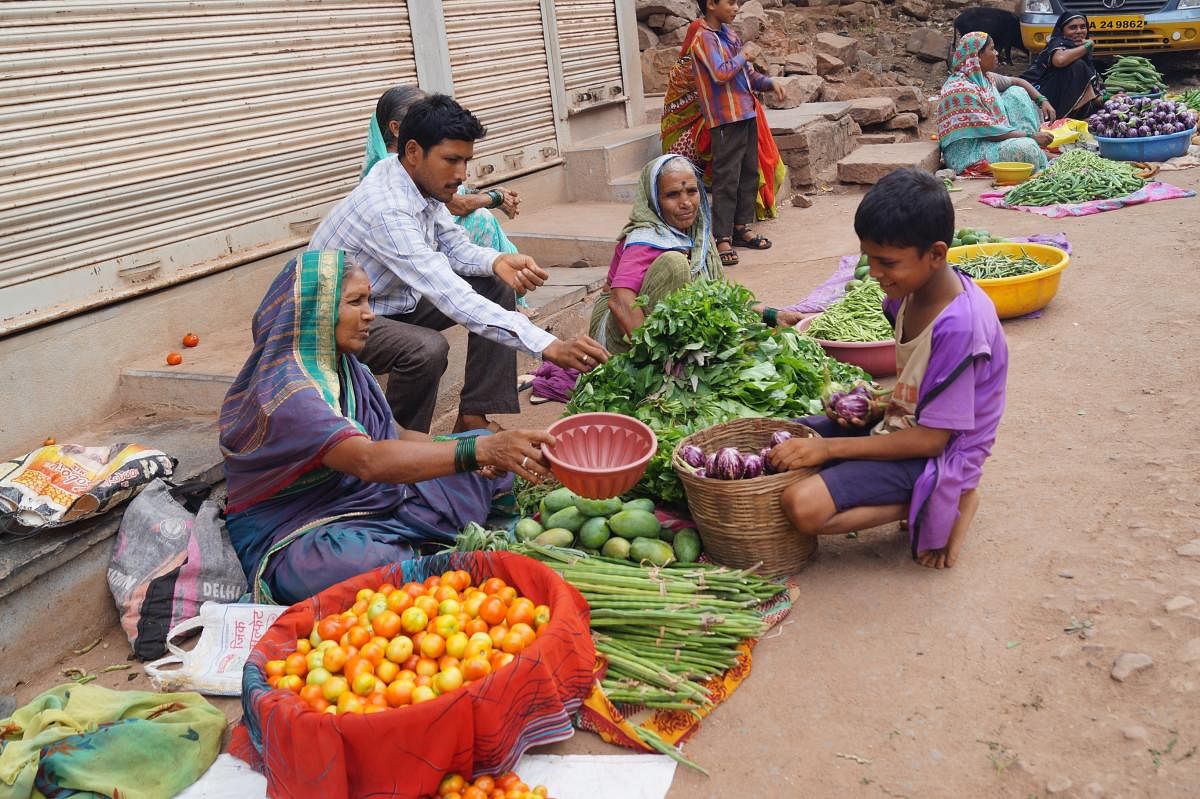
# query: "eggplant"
[710,464]
[692,455]
[728,464]
[752,466]
[779,436]
[701,472]
[765,454]
[853,407]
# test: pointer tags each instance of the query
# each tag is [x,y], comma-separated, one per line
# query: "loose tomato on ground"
[174,359]
[191,340]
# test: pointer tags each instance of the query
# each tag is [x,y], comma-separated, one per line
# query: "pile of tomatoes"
[407,645]
[507,786]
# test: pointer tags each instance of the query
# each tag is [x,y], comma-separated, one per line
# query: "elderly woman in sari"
[322,484]
[982,116]
[1064,71]
[666,244]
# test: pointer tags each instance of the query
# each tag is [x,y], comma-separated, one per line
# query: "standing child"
[724,83]
[924,459]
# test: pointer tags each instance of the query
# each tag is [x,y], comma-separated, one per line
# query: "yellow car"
[1118,26]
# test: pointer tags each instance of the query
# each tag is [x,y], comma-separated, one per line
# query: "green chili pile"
[856,317]
[1075,177]
[998,265]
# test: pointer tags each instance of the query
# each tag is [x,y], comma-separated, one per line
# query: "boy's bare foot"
[468,421]
[945,557]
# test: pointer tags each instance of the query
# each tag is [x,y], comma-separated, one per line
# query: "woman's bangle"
[1040,99]
[1089,44]
[464,455]
[770,316]
[497,199]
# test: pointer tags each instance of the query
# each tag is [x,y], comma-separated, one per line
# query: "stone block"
[673,39]
[656,65]
[864,139]
[872,110]
[905,121]
[869,164]
[906,98]
[812,152]
[792,120]
[828,65]
[646,37]
[801,62]
[751,20]
[843,48]
[679,8]
[928,44]
[917,9]
[656,21]
[673,22]
[798,89]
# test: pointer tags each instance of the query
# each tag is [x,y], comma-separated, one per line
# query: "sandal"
[728,257]
[743,238]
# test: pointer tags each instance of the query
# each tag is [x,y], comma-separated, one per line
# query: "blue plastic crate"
[1146,148]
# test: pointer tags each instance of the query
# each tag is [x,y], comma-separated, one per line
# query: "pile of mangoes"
[966,235]
[610,527]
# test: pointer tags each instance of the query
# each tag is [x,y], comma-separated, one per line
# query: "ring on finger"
[524,461]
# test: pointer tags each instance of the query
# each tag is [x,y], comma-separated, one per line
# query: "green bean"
[991,266]
[856,317]
[1076,176]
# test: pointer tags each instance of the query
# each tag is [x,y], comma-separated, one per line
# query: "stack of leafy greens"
[703,357]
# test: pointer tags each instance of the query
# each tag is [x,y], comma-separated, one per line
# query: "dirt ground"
[991,679]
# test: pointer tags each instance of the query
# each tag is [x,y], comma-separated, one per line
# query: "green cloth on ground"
[668,272]
[98,742]
[1023,115]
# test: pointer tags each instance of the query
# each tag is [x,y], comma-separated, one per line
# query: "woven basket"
[740,521]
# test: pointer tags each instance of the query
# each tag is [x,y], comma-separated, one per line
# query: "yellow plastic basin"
[1017,296]
[1008,173]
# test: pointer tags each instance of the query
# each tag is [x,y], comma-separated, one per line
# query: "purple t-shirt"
[629,265]
[962,391]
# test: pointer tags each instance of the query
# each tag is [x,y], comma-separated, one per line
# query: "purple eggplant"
[701,472]
[728,464]
[854,408]
[779,436]
[768,467]
[692,455]
[752,466]
[710,464]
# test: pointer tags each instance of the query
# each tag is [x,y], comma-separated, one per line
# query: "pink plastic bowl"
[876,358]
[600,455]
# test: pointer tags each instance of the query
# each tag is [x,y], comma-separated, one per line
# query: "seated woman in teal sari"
[322,485]
[983,116]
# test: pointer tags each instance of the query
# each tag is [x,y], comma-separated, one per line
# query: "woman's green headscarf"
[647,226]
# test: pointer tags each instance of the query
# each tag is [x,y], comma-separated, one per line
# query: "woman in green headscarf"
[666,244]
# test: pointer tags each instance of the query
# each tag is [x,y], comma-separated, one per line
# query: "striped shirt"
[410,248]
[723,77]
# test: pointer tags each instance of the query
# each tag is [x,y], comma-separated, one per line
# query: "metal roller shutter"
[139,139]
[500,72]
[591,53]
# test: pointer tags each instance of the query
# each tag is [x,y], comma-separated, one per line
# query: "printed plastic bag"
[166,563]
[214,665]
[57,485]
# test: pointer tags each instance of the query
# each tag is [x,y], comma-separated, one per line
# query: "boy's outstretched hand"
[799,453]
[778,90]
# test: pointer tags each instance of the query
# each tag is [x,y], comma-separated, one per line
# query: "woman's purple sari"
[299,527]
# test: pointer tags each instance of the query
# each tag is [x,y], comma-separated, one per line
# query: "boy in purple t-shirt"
[924,459]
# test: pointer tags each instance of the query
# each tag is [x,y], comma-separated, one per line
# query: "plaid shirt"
[723,78]
[411,248]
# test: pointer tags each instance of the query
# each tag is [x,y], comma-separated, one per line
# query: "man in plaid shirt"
[427,276]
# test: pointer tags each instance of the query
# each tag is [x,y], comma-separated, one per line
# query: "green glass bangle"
[497,199]
[464,455]
[770,316]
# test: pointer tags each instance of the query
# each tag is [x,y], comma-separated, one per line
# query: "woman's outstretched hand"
[516,451]
[1048,112]
[1043,138]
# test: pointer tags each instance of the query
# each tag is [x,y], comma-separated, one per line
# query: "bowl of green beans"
[854,330]
[1019,278]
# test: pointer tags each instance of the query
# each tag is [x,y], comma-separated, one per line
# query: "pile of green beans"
[998,265]
[856,317]
[1075,177]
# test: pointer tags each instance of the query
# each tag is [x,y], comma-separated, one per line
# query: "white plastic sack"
[214,665]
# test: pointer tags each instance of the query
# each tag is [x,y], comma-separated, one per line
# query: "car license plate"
[1117,23]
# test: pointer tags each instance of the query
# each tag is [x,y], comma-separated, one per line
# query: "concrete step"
[592,164]
[202,380]
[870,163]
[653,108]
[581,233]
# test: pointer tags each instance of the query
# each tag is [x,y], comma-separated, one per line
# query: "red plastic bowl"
[600,455]
[876,358]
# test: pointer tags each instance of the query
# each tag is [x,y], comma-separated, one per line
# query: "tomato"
[190,340]
[414,590]
[399,649]
[364,595]
[334,687]
[451,782]
[274,681]
[541,615]
[411,663]
[363,684]
[49,441]
[331,628]
[446,681]
[520,612]
[310,692]
[476,668]
[512,643]
[372,707]
[295,664]
[358,637]
[359,608]
[399,693]
[474,792]
[448,662]
[399,601]
[528,636]
[376,606]
[432,582]
[275,668]
[471,604]
[422,693]
[387,671]
[426,667]
[449,607]
[372,652]
[541,790]
[497,634]
[492,585]
[485,783]
[315,659]
[414,620]
[445,626]
[433,646]
[378,699]
[492,610]
[456,644]
[290,682]
[507,594]
[174,359]
[357,665]
[482,641]
[335,658]
[475,626]
[317,676]
[320,705]
[423,679]
[350,703]
[507,780]
[427,604]
[500,660]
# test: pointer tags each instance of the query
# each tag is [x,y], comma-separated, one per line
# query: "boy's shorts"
[855,483]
